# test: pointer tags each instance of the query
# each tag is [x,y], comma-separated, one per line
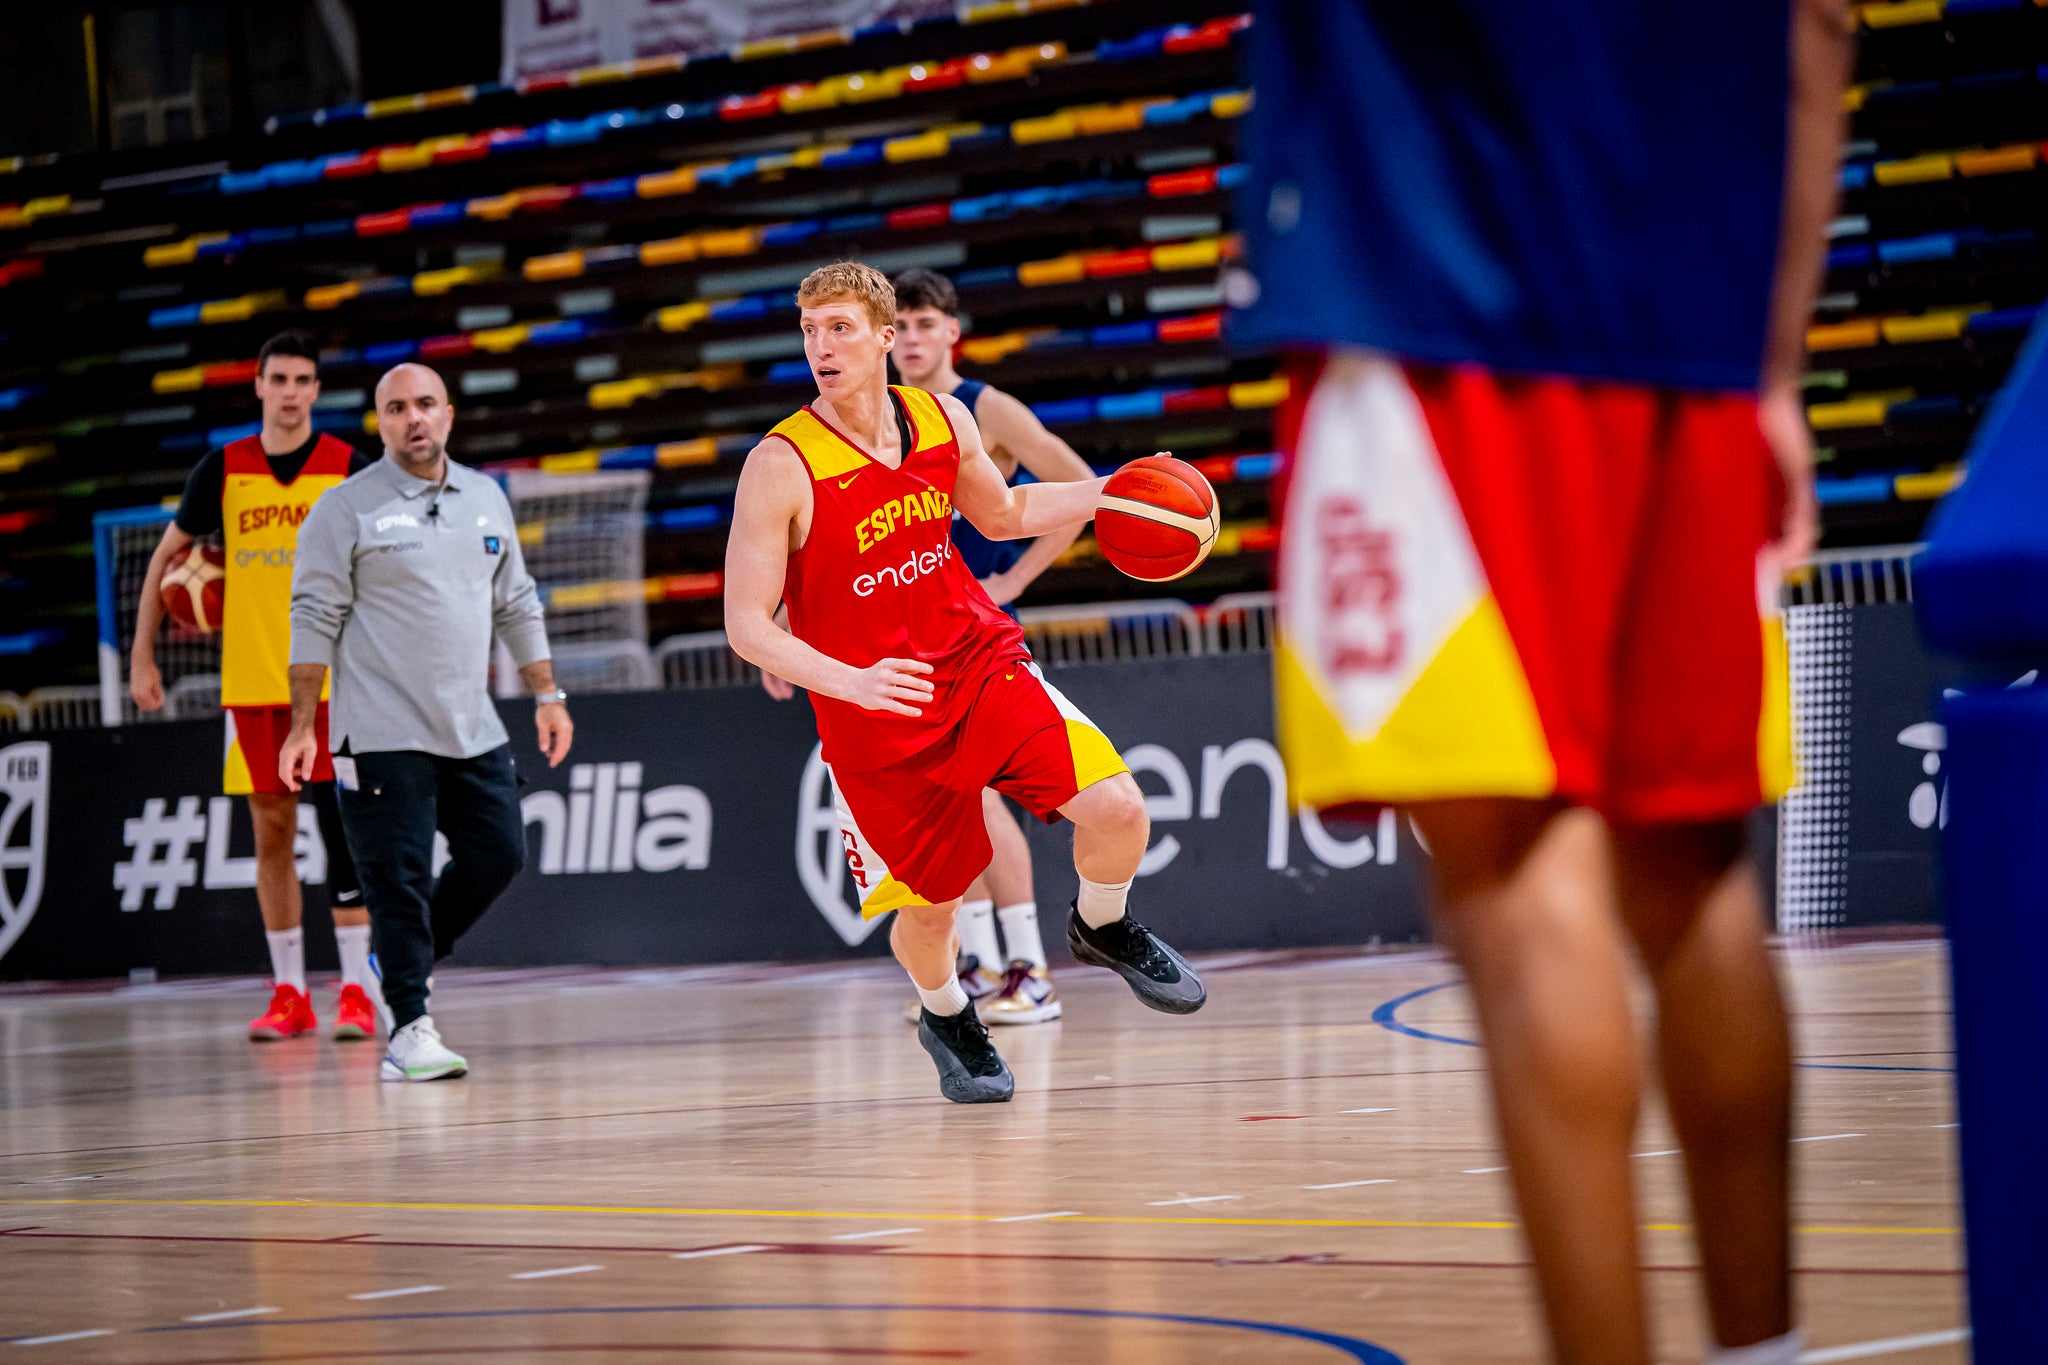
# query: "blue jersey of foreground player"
[1585,187]
[982,556]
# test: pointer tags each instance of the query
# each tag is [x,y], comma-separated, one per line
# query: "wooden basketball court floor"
[754,1164]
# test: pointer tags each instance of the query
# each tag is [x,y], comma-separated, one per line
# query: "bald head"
[413,417]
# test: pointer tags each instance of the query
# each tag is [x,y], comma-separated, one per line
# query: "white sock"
[288,957]
[1777,1351]
[1020,933]
[947,1000]
[975,921]
[353,941]
[1102,903]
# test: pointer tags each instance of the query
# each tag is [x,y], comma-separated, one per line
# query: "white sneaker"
[418,1054]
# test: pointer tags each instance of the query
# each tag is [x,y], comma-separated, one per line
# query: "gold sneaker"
[1026,997]
[979,982]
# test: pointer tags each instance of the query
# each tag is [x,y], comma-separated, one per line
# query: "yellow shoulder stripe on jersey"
[826,454]
[927,419]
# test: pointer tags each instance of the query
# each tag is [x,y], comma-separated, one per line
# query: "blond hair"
[850,282]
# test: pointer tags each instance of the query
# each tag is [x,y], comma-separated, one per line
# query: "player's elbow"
[745,629]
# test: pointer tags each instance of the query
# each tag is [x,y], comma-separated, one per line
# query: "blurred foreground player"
[927,330]
[254,493]
[1557,263]
[404,574]
[924,691]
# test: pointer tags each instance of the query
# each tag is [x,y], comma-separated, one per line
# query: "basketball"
[1157,520]
[195,587]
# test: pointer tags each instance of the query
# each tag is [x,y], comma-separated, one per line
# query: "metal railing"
[1111,632]
[1860,577]
[1079,635]
[700,661]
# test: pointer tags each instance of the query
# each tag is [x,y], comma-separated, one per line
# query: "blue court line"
[1362,1351]
[1387,1016]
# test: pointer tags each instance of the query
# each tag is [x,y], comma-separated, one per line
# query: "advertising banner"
[685,827]
[543,36]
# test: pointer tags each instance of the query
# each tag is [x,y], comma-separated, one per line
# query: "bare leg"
[1527,907]
[1725,1051]
[276,818]
[1111,829]
[1008,879]
[923,940]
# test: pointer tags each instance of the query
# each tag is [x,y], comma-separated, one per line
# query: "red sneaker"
[290,1014]
[354,1017]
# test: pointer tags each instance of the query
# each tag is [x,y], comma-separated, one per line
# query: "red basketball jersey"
[878,578]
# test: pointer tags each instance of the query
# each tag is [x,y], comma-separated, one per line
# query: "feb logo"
[24,835]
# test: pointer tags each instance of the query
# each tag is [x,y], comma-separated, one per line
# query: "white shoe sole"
[392,1072]
[1042,1014]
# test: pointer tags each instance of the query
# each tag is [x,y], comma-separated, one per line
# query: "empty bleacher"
[602,264]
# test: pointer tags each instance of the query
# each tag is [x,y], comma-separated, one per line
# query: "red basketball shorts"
[256,735]
[914,832]
[1535,587]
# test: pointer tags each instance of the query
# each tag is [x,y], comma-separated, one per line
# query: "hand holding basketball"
[893,685]
[194,590]
[1157,520]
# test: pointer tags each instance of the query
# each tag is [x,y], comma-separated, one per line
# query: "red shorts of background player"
[914,831]
[255,735]
[1539,587]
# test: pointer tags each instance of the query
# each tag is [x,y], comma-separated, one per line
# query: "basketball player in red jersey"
[1009,980]
[924,690]
[254,493]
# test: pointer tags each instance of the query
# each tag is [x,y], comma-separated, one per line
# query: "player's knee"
[275,818]
[927,921]
[1118,807]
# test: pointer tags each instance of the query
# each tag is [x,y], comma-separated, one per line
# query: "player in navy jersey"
[1546,270]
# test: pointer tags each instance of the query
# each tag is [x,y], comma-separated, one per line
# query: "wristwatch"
[543,698]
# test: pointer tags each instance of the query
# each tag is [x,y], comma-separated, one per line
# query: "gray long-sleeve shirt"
[397,588]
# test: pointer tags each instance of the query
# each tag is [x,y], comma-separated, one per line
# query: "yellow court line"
[671,1212]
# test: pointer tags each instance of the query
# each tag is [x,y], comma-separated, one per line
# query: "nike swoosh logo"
[849,479]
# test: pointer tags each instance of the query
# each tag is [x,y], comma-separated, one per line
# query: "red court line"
[526,1349]
[895,1252]
[862,1102]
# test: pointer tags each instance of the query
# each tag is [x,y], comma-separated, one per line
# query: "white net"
[188,659]
[585,541]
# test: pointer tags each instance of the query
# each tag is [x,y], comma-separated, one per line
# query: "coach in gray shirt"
[404,572]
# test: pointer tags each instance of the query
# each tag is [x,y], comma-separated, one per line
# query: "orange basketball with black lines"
[1158,519]
[195,587]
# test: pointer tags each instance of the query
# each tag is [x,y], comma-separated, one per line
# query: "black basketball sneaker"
[1157,974]
[970,1071]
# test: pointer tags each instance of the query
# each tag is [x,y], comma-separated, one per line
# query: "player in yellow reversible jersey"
[254,493]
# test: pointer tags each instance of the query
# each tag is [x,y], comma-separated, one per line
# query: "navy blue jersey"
[1585,187]
[982,556]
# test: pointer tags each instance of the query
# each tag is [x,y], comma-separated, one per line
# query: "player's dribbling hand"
[295,758]
[893,685]
[779,688]
[146,684]
[556,731]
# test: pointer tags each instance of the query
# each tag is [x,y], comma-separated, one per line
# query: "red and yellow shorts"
[914,832]
[1535,587]
[255,735]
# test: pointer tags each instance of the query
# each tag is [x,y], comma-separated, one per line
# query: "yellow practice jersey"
[260,520]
